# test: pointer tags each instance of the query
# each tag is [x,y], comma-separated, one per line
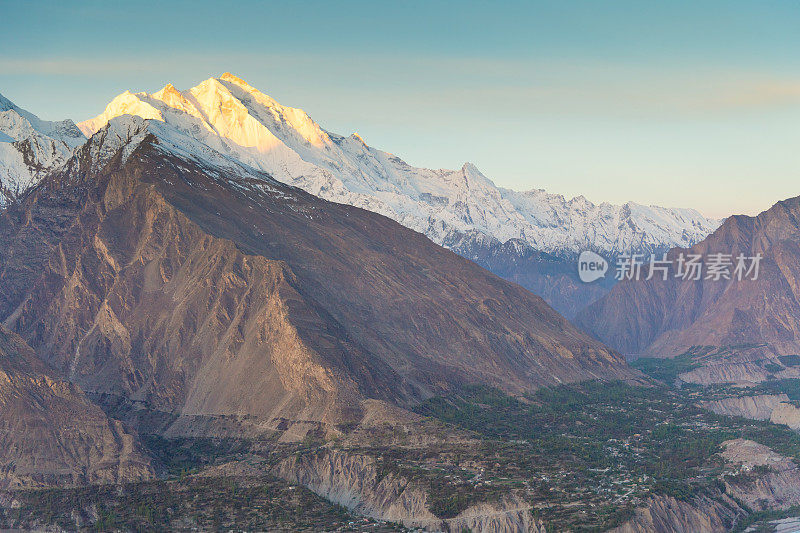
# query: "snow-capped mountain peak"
[30,146]
[126,103]
[237,120]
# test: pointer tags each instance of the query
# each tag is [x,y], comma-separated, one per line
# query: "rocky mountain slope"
[51,434]
[156,270]
[744,324]
[778,489]
[30,147]
[460,209]
[355,482]
[745,491]
[755,407]
[777,408]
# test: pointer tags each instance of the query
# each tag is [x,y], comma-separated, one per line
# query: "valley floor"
[589,457]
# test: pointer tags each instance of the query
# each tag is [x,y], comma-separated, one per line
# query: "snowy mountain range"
[29,147]
[236,119]
[531,236]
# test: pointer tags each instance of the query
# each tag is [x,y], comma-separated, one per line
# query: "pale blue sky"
[675,103]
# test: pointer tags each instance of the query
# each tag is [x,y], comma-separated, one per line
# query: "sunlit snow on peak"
[238,121]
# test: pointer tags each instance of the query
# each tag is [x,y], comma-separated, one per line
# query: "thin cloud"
[510,86]
[775,94]
[57,67]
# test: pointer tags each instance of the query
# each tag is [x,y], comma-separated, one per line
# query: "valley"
[217,315]
[589,457]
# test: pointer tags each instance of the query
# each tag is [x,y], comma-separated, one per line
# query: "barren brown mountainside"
[51,434]
[666,318]
[197,291]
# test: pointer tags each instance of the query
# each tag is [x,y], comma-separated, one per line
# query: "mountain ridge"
[160,276]
[503,230]
[434,202]
[448,206]
[30,147]
[670,317]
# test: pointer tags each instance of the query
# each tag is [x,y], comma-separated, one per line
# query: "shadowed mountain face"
[665,318]
[51,434]
[554,278]
[206,290]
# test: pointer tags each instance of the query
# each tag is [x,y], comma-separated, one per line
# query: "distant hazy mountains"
[750,322]
[529,237]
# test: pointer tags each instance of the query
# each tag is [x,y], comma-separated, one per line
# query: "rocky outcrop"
[787,414]
[354,481]
[776,486]
[773,407]
[52,435]
[752,407]
[497,517]
[664,514]
[741,373]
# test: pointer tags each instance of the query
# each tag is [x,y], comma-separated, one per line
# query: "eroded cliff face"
[753,407]
[499,517]
[777,488]
[52,435]
[664,514]
[787,414]
[734,372]
[777,408]
[354,481]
